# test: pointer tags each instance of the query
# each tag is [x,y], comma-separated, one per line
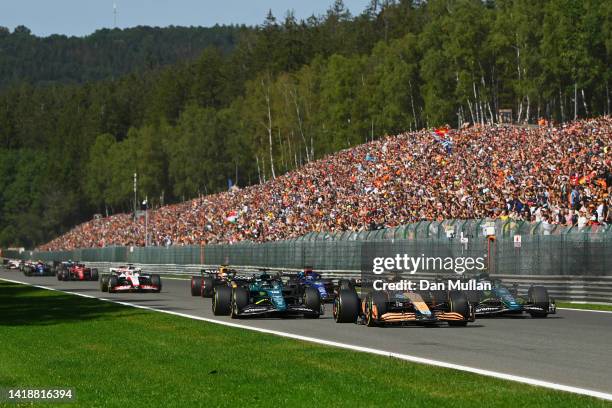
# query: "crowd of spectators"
[553,174]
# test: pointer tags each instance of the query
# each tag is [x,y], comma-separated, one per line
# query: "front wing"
[437,316]
[501,309]
[270,310]
[140,288]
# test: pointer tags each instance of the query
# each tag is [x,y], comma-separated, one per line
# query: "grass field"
[120,356]
[585,306]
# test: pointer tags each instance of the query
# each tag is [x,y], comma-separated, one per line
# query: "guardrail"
[575,263]
[511,248]
[572,288]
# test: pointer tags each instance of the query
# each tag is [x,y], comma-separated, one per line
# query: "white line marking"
[405,357]
[584,310]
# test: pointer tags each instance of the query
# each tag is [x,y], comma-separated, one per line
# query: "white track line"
[584,310]
[405,357]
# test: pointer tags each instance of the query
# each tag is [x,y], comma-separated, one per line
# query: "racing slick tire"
[458,303]
[538,296]
[222,301]
[112,283]
[59,275]
[376,299]
[104,282]
[312,300]
[240,299]
[27,271]
[196,285]
[208,287]
[94,275]
[346,306]
[156,281]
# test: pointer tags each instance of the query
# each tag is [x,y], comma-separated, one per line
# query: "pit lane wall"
[574,263]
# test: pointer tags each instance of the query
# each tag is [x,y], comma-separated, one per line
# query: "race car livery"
[205,283]
[382,307]
[13,263]
[326,288]
[68,271]
[265,295]
[505,300]
[36,269]
[130,279]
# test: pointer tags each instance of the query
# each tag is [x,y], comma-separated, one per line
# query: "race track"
[572,348]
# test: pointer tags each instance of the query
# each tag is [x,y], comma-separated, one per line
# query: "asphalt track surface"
[572,348]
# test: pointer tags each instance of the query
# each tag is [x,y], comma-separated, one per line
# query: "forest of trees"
[266,99]
[105,54]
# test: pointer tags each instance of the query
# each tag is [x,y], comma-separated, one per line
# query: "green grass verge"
[585,306]
[121,356]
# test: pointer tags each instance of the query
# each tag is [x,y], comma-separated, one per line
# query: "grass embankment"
[120,356]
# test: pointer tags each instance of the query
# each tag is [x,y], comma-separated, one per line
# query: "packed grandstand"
[556,174]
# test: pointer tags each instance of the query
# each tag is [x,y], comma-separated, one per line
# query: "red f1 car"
[70,271]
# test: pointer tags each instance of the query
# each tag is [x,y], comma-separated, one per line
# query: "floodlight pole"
[135,194]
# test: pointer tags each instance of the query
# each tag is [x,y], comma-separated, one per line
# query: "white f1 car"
[130,279]
[13,263]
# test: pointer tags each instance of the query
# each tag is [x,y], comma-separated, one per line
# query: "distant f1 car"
[265,295]
[505,300]
[130,279]
[326,287]
[13,263]
[382,307]
[205,283]
[68,271]
[37,269]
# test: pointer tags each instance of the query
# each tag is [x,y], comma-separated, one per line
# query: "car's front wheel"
[538,296]
[240,299]
[104,283]
[312,300]
[222,301]
[458,303]
[156,281]
[346,306]
[196,285]
[113,282]
[208,287]
[376,306]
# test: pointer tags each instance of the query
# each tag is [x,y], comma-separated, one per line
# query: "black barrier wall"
[508,248]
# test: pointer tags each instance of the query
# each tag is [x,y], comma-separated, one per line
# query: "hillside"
[289,92]
[477,172]
[105,54]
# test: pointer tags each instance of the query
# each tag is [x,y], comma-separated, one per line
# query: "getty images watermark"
[400,264]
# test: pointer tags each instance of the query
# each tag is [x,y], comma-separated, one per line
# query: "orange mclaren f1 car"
[382,307]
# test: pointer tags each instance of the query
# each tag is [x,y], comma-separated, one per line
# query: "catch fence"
[508,247]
